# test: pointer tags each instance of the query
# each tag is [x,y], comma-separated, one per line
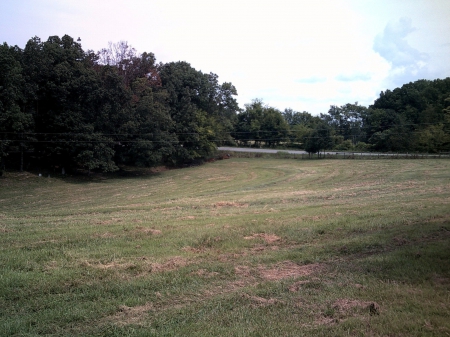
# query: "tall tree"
[301,125]
[64,90]
[201,109]
[130,64]
[150,140]
[260,123]
[347,121]
[320,138]
[15,120]
[248,128]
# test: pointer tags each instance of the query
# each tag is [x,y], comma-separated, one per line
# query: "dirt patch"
[269,238]
[288,269]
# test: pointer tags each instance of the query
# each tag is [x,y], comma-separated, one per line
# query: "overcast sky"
[299,54]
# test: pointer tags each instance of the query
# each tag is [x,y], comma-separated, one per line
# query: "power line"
[143,141]
[387,126]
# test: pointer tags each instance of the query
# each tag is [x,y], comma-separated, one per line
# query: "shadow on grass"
[80,176]
[424,259]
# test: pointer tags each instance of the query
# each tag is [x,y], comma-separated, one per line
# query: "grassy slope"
[240,247]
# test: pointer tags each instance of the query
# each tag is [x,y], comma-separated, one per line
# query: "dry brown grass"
[288,269]
[129,315]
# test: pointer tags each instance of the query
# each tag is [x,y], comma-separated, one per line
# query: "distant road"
[341,153]
[248,149]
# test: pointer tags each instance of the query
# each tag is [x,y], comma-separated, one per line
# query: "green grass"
[239,247]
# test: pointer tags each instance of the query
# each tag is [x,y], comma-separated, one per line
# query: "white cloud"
[312,80]
[407,63]
[354,77]
[303,54]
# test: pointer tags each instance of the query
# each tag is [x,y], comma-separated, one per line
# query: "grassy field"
[238,247]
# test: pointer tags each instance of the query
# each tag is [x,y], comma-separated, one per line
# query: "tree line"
[413,118]
[61,106]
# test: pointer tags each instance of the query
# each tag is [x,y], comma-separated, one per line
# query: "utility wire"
[231,132]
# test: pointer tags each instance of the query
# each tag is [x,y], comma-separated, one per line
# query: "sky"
[301,54]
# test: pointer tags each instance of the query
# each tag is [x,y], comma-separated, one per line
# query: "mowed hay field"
[238,247]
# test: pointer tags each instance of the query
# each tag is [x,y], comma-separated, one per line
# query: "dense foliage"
[61,106]
[413,118]
[64,107]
